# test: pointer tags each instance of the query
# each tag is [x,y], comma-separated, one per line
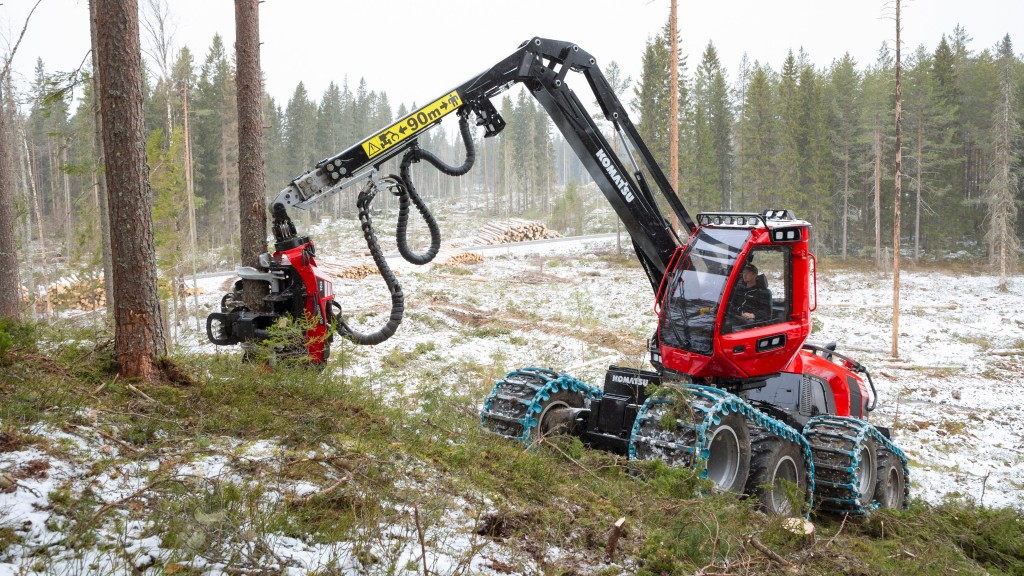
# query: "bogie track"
[738,447]
[532,402]
[857,468]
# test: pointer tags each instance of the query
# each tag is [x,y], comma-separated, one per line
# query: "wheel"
[867,472]
[556,414]
[777,468]
[845,452]
[675,427]
[532,403]
[728,462]
[890,489]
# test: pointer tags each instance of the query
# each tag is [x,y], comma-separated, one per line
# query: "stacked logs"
[513,230]
[89,295]
[350,269]
[85,295]
[446,258]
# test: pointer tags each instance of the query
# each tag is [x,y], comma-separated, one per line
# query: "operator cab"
[735,302]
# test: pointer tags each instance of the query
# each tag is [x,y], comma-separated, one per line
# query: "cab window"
[762,292]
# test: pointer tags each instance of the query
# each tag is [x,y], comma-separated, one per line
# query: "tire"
[867,473]
[890,489]
[728,462]
[777,466]
[556,414]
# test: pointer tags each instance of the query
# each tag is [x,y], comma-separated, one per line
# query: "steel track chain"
[837,443]
[515,402]
[678,445]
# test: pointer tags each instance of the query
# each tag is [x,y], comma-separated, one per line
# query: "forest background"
[815,139]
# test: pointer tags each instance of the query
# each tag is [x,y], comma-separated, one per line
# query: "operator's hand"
[748,315]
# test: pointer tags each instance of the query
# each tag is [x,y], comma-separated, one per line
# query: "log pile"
[513,230]
[89,295]
[84,295]
[351,269]
[453,258]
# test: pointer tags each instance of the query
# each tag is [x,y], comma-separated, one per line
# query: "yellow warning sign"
[412,124]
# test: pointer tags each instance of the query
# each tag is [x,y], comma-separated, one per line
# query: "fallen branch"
[419,534]
[836,535]
[753,541]
[117,441]
[328,490]
[140,393]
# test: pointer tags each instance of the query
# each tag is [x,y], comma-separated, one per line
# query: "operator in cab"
[751,300]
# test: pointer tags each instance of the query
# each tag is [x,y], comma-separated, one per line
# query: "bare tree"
[251,188]
[138,331]
[160,28]
[898,199]
[10,281]
[100,181]
[1003,188]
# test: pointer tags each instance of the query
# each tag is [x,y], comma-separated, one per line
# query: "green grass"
[427,451]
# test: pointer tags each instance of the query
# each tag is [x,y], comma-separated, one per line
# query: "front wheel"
[728,461]
[695,427]
[778,475]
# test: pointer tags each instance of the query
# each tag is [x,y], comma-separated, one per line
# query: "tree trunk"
[190,190]
[23,171]
[917,208]
[878,197]
[138,330]
[898,198]
[69,227]
[251,195]
[846,195]
[10,280]
[37,209]
[104,207]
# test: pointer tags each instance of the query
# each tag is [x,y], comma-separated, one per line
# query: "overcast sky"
[417,50]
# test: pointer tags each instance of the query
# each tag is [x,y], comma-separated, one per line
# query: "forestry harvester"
[735,391]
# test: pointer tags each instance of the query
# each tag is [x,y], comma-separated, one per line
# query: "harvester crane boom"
[542,65]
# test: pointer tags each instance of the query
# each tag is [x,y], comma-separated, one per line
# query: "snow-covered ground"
[952,397]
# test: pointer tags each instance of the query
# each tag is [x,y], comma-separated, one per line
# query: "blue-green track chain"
[515,402]
[837,443]
[708,405]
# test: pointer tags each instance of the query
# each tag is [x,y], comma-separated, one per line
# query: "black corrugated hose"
[407,192]
[397,297]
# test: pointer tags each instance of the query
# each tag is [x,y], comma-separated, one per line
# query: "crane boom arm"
[541,65]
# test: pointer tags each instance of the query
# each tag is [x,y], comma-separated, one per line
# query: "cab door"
[760,331]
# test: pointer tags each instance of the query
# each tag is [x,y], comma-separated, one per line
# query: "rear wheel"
[890,490]
[556,415]
[867,472]
[778,475]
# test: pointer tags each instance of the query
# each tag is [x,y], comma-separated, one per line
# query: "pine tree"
[757,133]
[1004,187]
[300,131]
[787,159]
[138,331]
[845,99]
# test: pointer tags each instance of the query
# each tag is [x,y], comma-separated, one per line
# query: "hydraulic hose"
[407,192]
[397,297]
